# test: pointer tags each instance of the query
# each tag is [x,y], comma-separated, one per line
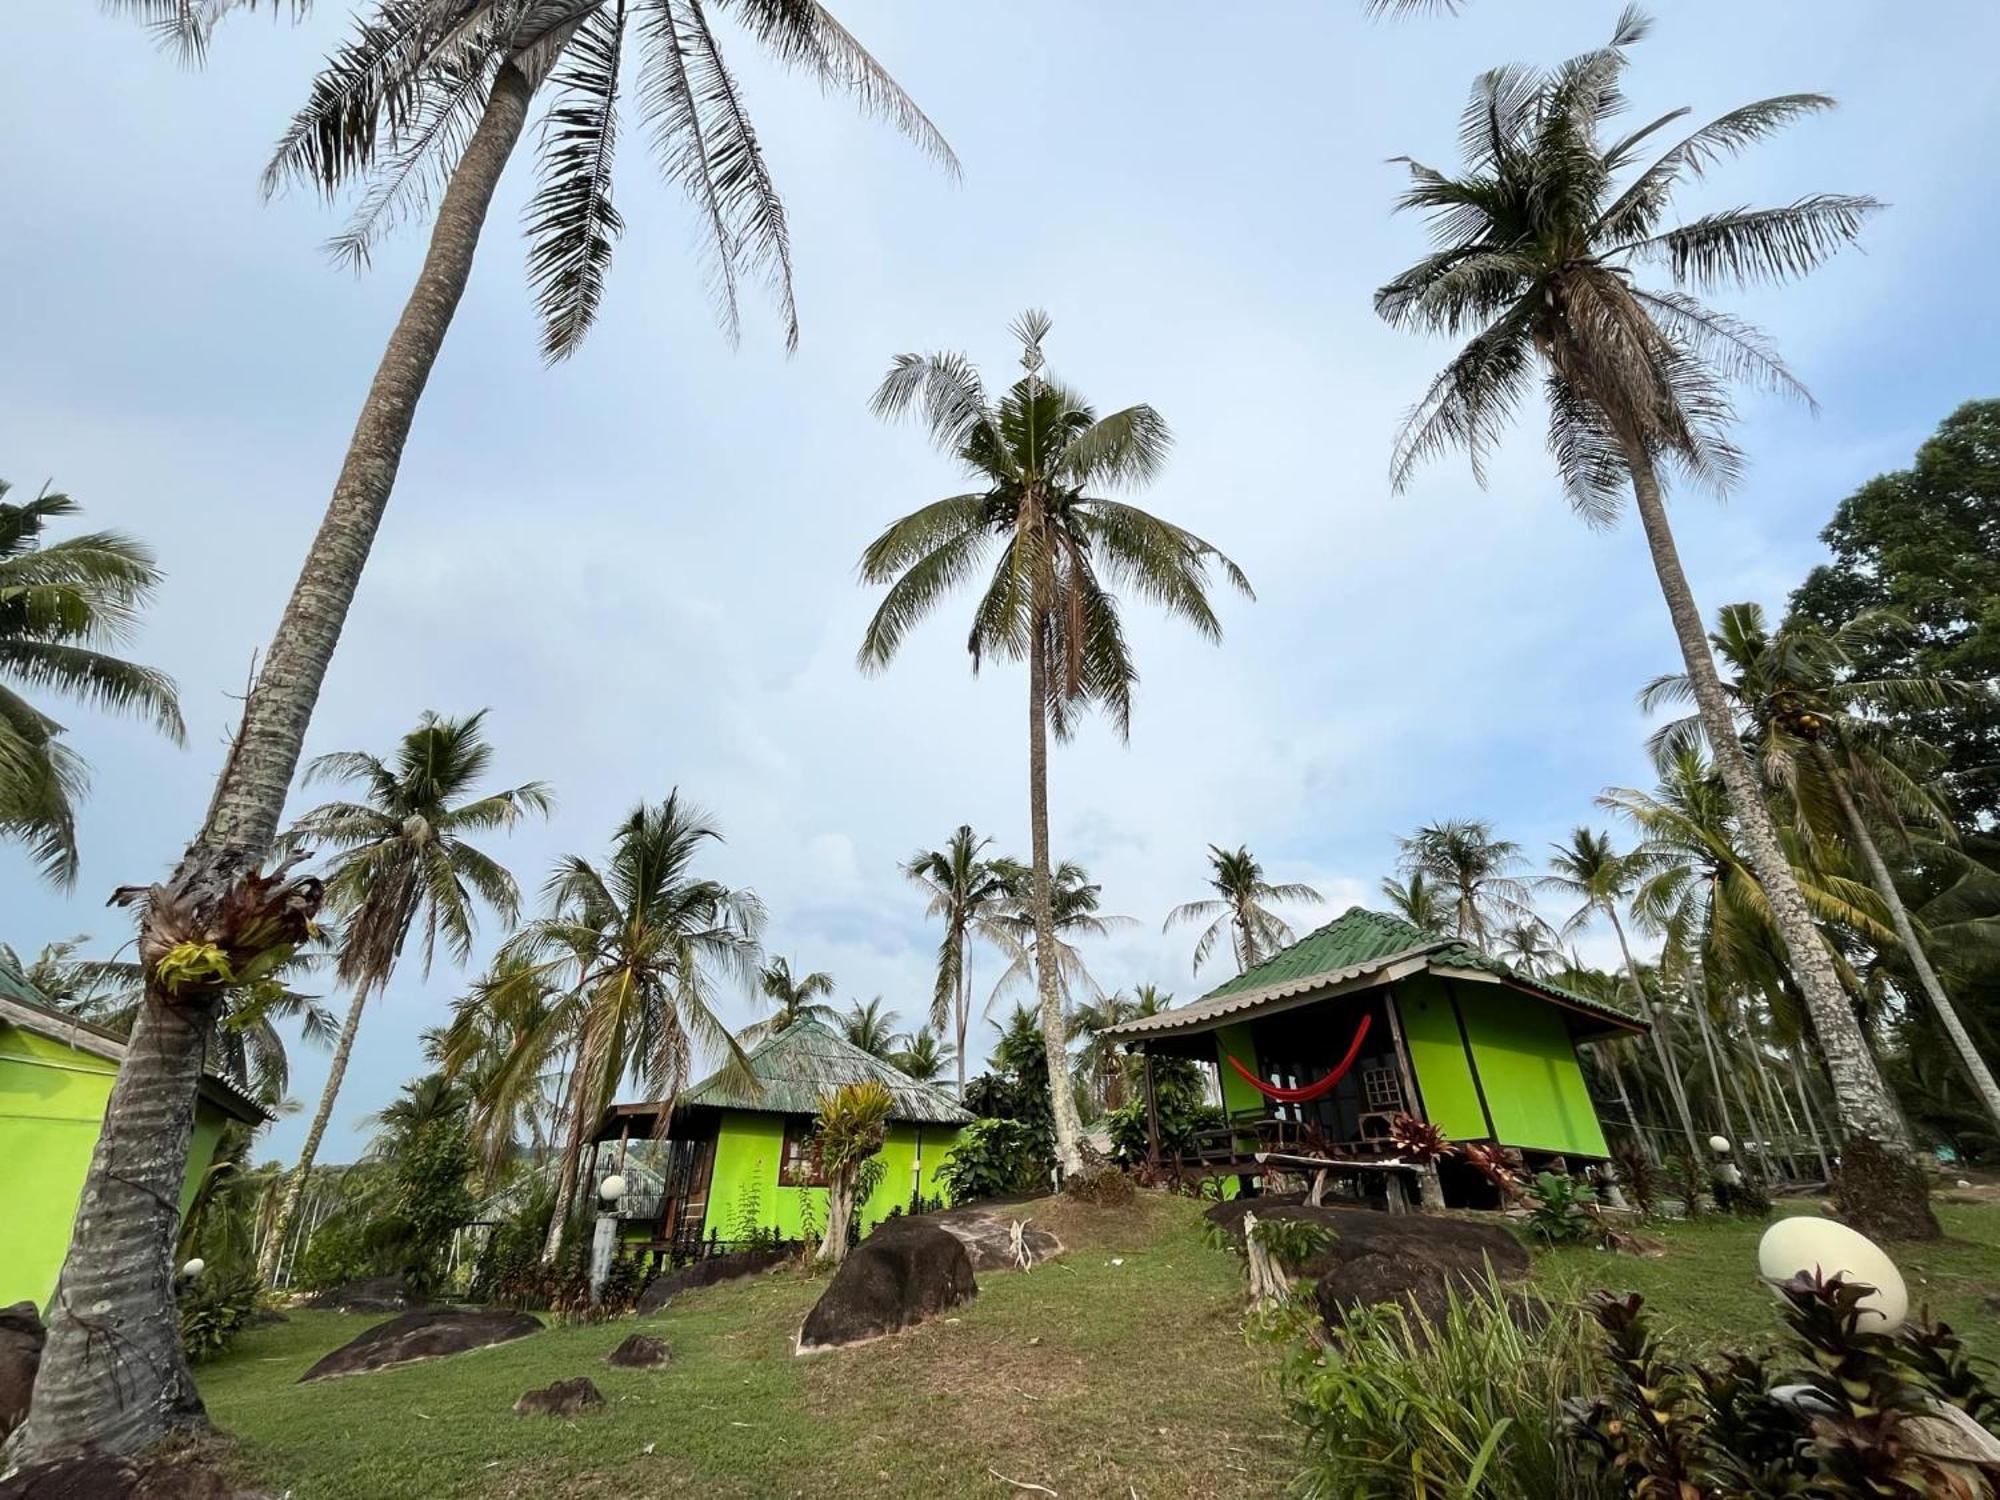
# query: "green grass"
[1094,1379]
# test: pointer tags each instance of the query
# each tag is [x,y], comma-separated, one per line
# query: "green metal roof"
[1353,946]
[806,1061]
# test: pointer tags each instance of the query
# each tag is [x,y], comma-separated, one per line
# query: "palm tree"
[1417,902]
[505,1043]
[967,891]
[1034,455]
[1075,902]
[400,854]
[797,999]
[924,1056]
[1473,873]
[1813,723]
[871,1028]
[1530,946]
[634,948]
[426,102]
[1537,248]
[1238,907]
[1100,1067]
[60,602]
[1589,869]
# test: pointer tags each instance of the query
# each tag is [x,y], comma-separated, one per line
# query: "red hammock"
[1314,1089]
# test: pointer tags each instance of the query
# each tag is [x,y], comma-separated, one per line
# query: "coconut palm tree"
[1600,879]
[1815,725]
[1417,902]
[1539,240]
[1473,873]
[1239,908]
[60,604]
[402,854]
[425,104]
[923,1055]
[1530,945]
[1075,902]
[635,947]
[968,892]
[871,1028]
[1100,1067]
[506,1044]
[797,999]
[1034,456]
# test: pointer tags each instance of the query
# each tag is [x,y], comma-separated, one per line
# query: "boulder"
[174,1472]
[368,1294]
[427,1333]
[1626,1242]
[640,1352]
[566,1398]
[906,1271]
[705,1272]
[1380,1257]
[988,1238]
[21,1337]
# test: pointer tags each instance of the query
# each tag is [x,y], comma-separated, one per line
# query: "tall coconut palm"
[923,1055]
[636,948]
[1075,905]
[871,1028]
[968,891]
[1034,457]
[1530,945]
[61,603]
[1239,907]
[797,998]
[1815,724]
[401,854]
[1474,874]
[425,104]
[1417,902]
[506,1044]
[1601,879]
[1100,1069]
[1539,243]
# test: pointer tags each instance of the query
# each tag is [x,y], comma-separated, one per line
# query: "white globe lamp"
[1809,1243]
[194,1268]
[612,1188]
[1719,1144]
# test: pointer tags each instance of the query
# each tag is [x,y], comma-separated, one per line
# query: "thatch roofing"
[805,1062]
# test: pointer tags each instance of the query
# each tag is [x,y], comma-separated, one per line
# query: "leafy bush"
[1639,1178]
[213,1308]
[1182,1118]
[1294,1242]
[1686,1180]
[1560,1209]
[340,1250]
[992,1158]
[1835,1425]
[1394,1405]
[1747,1198]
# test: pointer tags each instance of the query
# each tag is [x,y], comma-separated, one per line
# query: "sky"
[642,561]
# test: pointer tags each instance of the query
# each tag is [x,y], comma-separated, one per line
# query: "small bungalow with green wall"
[55,1079]
[738,1163]
[1320,1046]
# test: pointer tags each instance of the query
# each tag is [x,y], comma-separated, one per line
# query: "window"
[798,1166]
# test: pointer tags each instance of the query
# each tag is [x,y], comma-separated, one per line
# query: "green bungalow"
[1320,1046]
[55,1078]
[738,1164]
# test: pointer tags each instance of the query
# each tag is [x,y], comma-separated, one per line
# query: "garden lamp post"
[604,1239]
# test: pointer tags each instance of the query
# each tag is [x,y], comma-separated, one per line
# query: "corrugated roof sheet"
[806,1061]
[1352,946]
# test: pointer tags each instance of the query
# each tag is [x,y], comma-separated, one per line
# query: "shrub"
[1639,1177]
[1686,1180]
[1294,1242]
[1395,1405]
[1100,1185]
[1747,1199]
[993,1157]
[340,1250]
[214,1308]
[1561,1209]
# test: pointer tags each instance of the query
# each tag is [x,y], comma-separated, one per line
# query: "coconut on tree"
[1241,907]
[1039,458]
[1540,241]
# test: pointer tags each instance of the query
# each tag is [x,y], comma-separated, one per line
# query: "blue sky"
[642,561]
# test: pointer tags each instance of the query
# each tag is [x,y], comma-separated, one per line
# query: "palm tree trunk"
[1906,934]
[1714,1072]
[1865,1106]
[964,1004]
[1610,1056]
[1812,1115]
[112,1374]
[336,1071]
[1069,1153]
[1656,1026]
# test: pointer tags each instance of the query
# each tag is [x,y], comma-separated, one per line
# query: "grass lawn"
[1092,1378]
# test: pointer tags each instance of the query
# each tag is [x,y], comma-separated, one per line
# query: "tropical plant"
[797,998]
[923,1057]
[1531,946]
[994,1157]
[400,855]
[1034,456]
[1473,873]
[1417,902]
[968,891]
[871,1028]
[1818,729]
[1561,1209]
[1538,244]
[634,947]
[1240,908]
[426,102]
[61,603]
[504,1045]
[1100,1068]
[852,1124]
[213,1308]
[1600,879]
[1074,906]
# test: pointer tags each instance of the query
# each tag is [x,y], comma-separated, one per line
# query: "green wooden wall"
[1237,1094]
[745,1187]
[1437,1056]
